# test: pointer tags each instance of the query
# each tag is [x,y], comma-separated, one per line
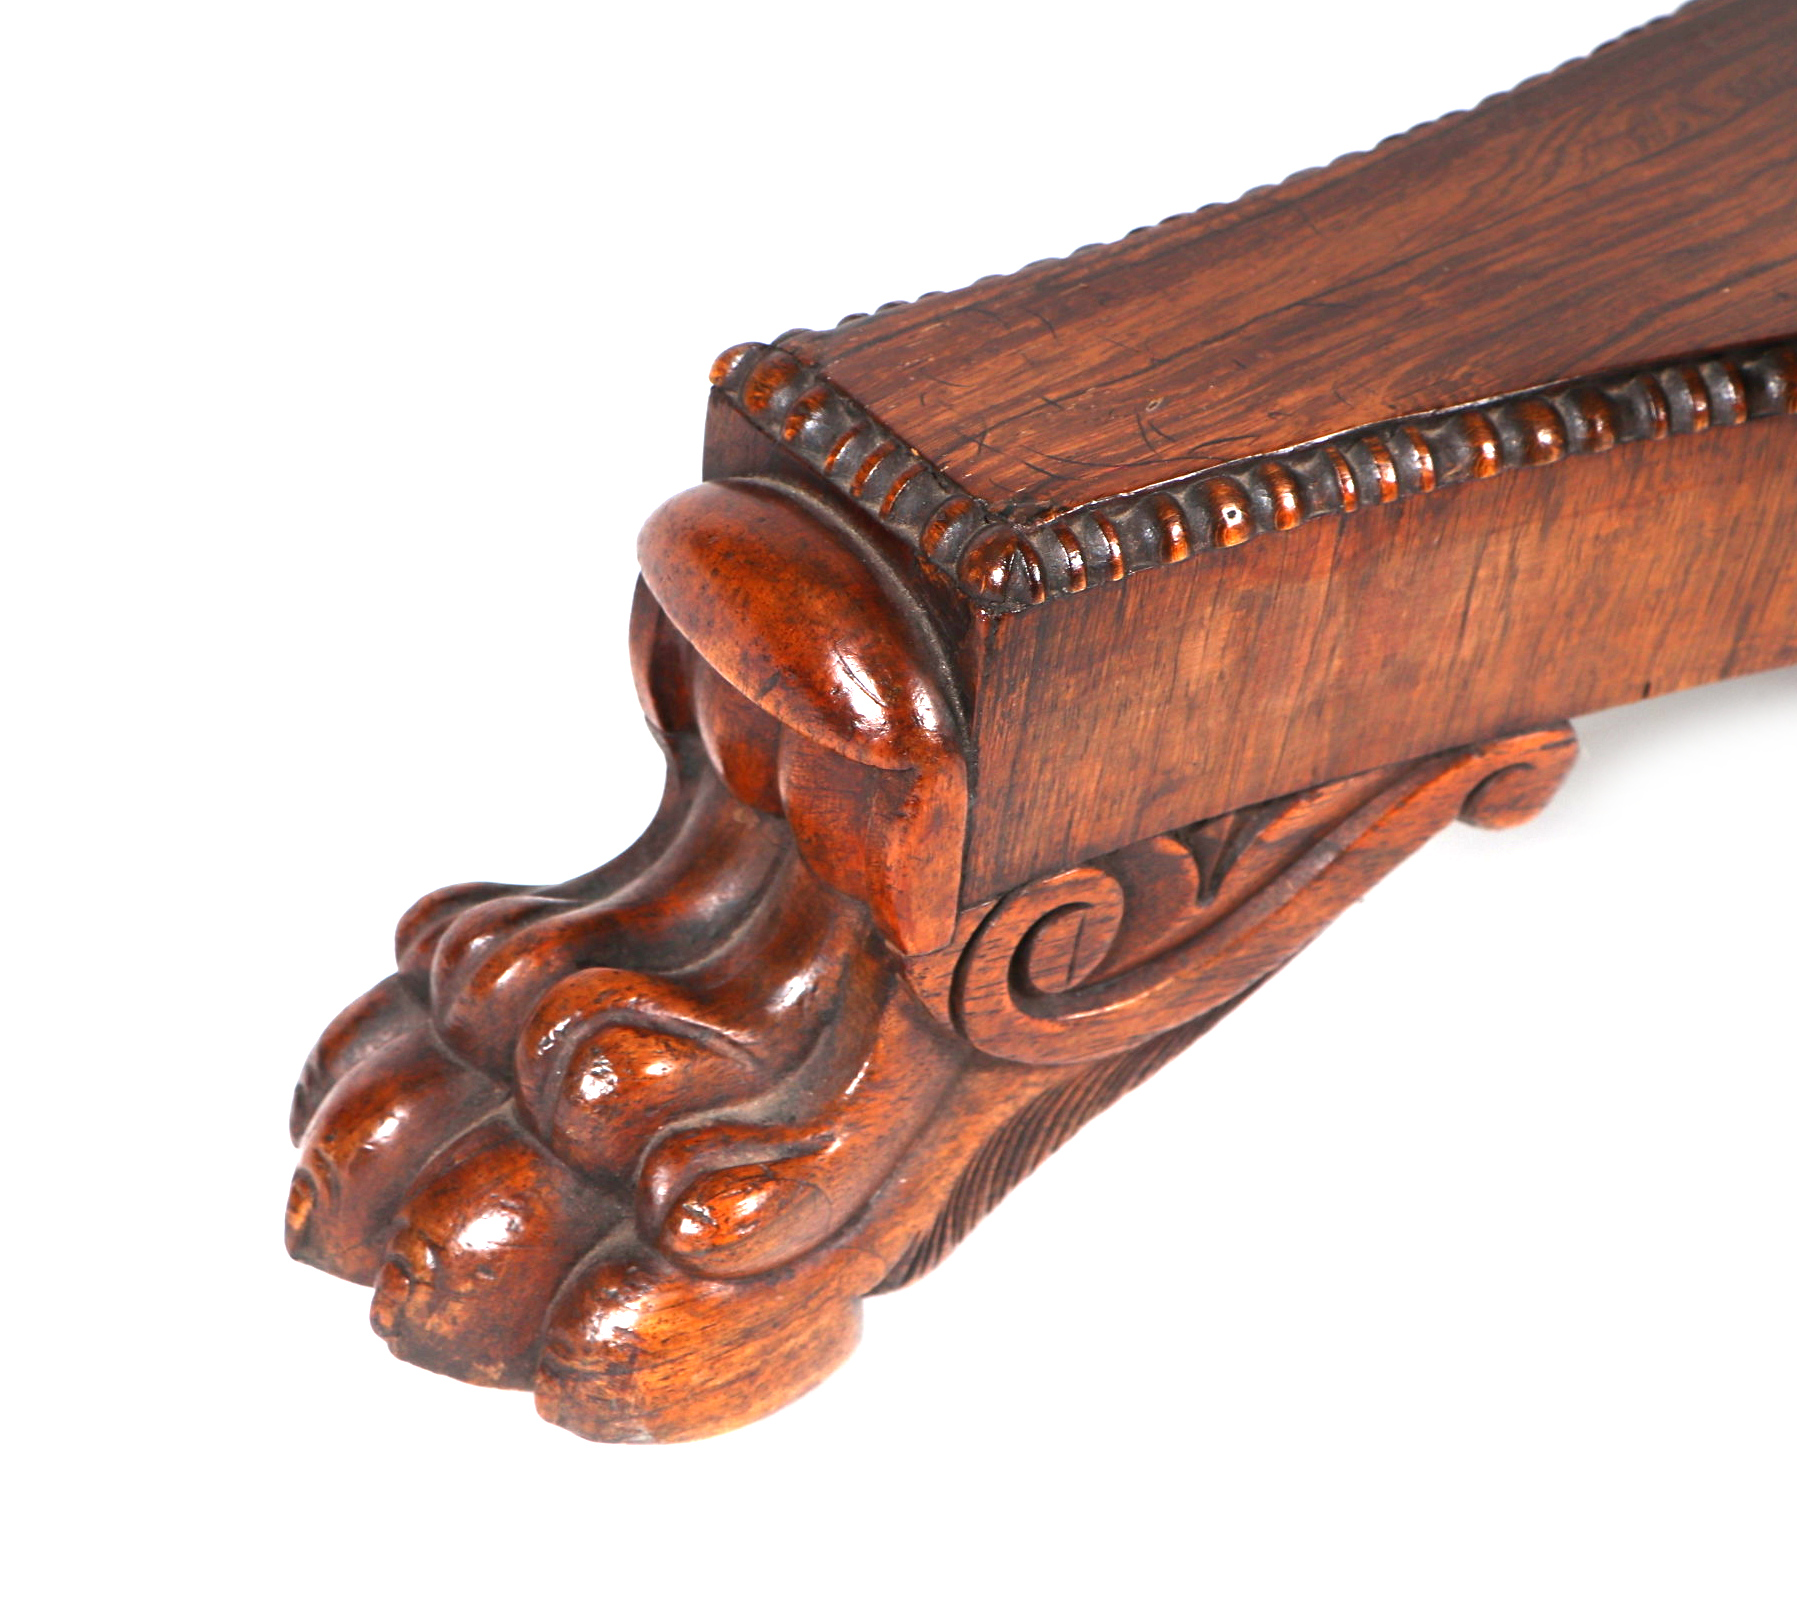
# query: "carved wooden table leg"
[1039,669]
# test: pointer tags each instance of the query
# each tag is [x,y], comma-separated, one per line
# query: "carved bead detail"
[1543,434]
[1000,567]
[1659,415]
[1226,506]
[807,407]
[1232,514]
[1694,395]
[1282,492]
[898,487]
[1424,458]
[942,523]
[1075,559]
[1732,385]
[834,455]
[1176,540]
[1385,471]
[727,361]
[1781,377]
[766,379]
[1597,419]
[1487,459]
[870,465]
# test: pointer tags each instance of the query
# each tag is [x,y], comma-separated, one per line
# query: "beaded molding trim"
[1004,567]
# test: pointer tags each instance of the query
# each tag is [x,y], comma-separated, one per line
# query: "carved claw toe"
[598,1086]
[637,1352]
[741,1221]
[367,1142]
[644,1139]
[421,927]
[494,962]
[381,1015]
[734,1198]
[483,1242]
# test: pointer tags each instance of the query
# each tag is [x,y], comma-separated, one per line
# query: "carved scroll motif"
[1103,958]
[1101,974]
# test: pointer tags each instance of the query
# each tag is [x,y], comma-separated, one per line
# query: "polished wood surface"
[1633,206]
[1401,630]
[1039,669]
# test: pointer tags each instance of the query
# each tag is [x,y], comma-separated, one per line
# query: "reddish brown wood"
[1039,670]
[643,1140]
[1487,607]
[1631,207]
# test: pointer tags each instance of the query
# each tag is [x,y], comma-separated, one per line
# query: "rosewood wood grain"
[1039,670]
[1631,208]
[1487,607]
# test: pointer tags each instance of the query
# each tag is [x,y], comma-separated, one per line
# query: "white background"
[345,346]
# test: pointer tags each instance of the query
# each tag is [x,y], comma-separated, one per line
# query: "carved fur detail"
[1008,1156]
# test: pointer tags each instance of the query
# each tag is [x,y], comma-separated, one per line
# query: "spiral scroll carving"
[1103,958]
